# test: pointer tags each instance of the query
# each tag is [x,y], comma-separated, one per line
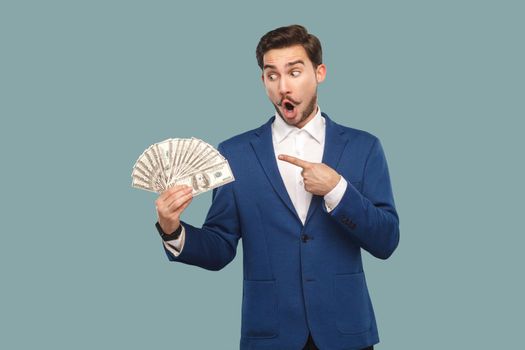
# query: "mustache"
[294,102]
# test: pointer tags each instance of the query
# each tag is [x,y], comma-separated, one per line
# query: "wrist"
[336,180]
[168,236]
[333,197]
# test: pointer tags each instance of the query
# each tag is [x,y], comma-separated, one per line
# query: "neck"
[302,123]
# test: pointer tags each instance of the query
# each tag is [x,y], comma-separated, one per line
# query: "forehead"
[282,56]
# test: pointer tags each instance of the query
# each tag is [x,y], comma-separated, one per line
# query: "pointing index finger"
[295,161]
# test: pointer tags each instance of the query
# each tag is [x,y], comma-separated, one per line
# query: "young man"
[308,196]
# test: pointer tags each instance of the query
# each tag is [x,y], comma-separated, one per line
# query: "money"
[190,162]
[206,179]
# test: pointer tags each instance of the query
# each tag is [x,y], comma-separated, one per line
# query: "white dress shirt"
[307,144]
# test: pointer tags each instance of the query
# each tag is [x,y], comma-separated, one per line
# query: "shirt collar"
[315,128]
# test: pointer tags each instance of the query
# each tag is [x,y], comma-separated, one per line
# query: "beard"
[309,109]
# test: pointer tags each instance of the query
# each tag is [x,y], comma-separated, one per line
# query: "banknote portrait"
[200,181]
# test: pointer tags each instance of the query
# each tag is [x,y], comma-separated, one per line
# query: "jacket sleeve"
[370,215]
[215,244]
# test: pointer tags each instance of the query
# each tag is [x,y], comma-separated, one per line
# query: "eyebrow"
[293,63]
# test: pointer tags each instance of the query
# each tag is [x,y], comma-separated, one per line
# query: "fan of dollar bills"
[190,162]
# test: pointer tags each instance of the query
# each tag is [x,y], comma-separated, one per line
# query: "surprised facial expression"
[291,80]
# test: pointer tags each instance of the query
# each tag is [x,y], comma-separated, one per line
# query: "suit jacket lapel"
[263,146]
[334,144]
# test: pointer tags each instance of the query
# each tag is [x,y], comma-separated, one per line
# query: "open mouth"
[289,107]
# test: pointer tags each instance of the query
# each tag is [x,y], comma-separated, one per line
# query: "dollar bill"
[207,178]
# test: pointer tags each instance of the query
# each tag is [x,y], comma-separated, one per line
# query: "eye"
[295,73]
[272,76]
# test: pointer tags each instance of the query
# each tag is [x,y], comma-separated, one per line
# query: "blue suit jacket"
[294,283]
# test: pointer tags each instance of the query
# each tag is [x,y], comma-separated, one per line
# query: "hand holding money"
[318,178]
[179,169]
[170,205]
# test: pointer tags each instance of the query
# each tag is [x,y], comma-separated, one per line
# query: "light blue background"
[86,86]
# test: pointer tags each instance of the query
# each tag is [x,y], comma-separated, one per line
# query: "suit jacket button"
[304,238]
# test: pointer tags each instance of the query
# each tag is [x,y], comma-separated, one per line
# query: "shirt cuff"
[332,198]
[175,246]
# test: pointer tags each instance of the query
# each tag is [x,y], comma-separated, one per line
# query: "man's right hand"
[170,206]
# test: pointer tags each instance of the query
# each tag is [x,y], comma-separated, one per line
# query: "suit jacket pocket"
[259,309]
[354,312]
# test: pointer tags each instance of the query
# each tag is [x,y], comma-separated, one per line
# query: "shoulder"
[355,136]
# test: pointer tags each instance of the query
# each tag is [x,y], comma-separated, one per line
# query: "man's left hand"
[318,178]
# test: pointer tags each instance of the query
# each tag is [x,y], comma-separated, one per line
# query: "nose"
[284,86]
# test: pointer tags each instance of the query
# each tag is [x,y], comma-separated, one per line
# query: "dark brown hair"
[288,36]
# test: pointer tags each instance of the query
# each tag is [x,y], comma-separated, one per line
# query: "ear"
[262,77]
[320,73]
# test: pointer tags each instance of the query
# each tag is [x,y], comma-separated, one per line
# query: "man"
[308,195]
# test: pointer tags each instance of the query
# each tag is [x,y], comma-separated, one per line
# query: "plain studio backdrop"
[85,87]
